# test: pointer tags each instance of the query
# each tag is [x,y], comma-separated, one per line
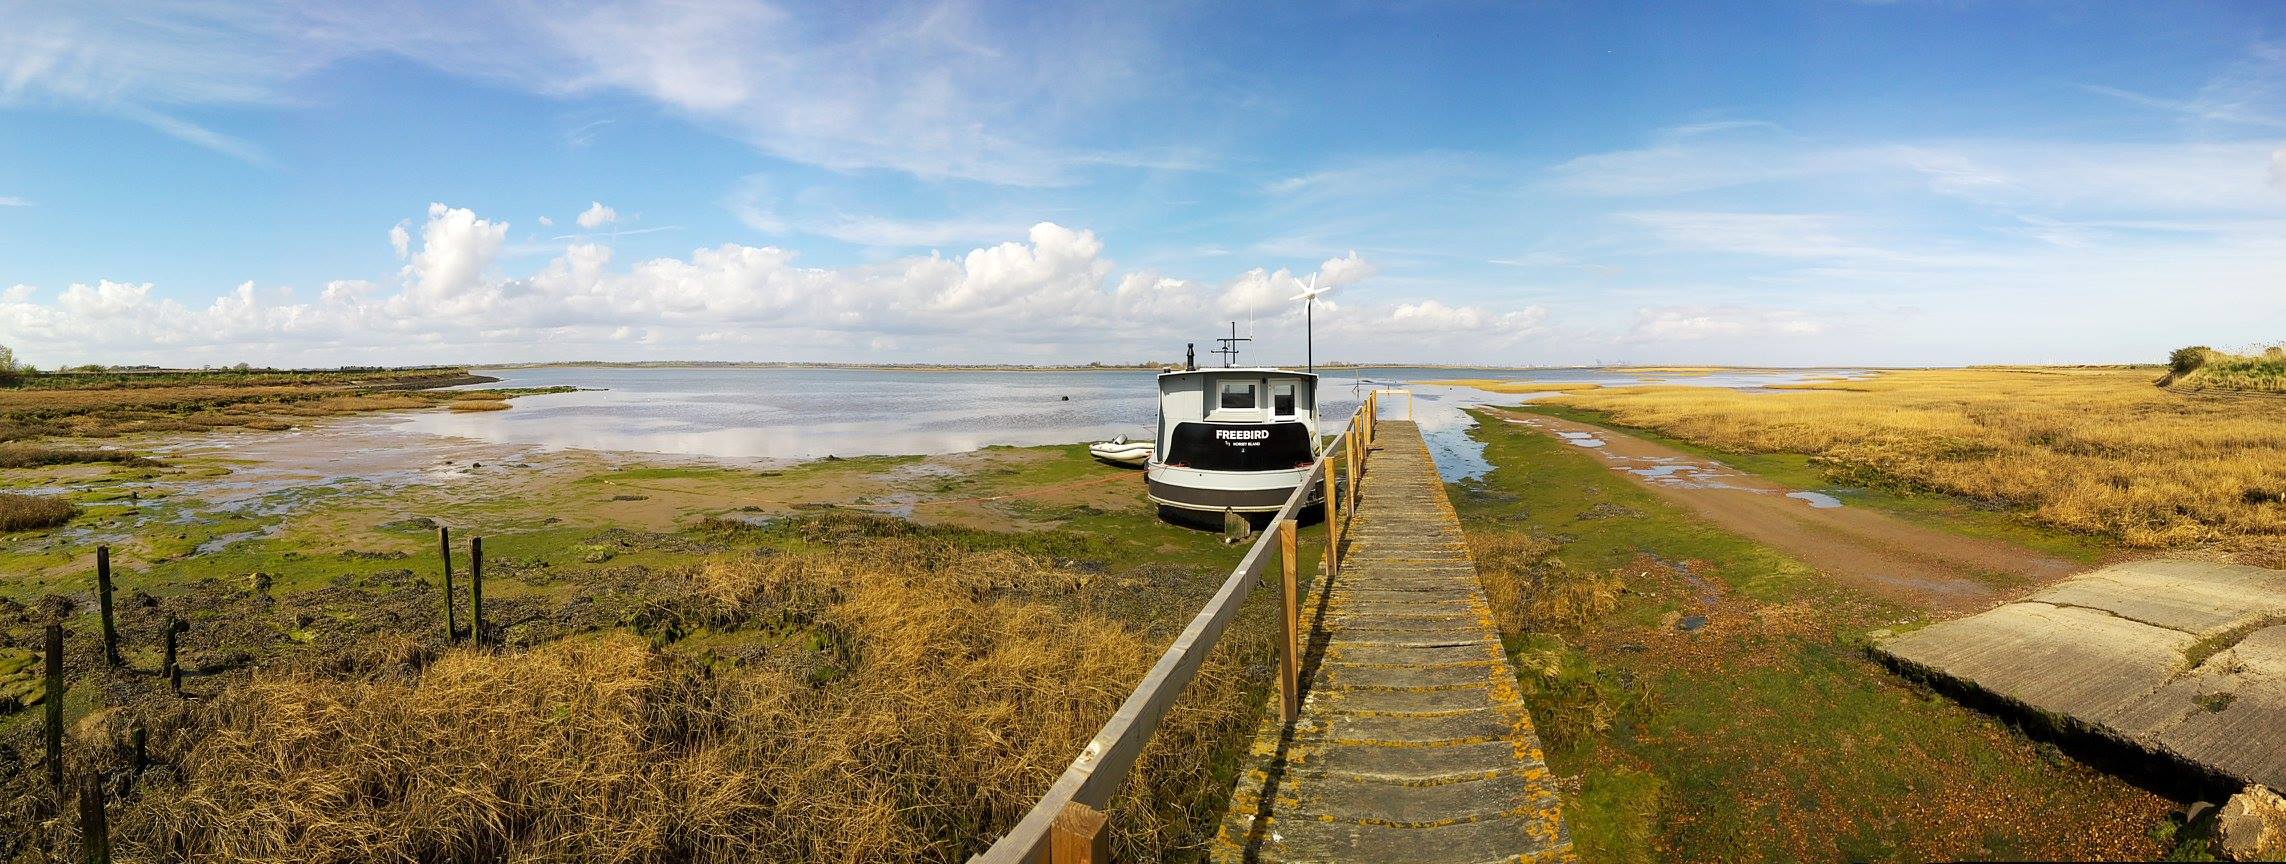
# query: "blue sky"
[1814,182]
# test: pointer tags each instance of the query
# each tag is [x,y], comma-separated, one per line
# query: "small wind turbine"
[1309,298]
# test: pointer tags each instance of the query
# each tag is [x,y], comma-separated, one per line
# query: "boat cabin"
[1234,438]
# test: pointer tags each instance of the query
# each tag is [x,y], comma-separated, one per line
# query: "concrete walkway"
[1412,745]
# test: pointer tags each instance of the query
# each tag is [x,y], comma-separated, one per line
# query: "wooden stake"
[1289,651]
[94,829]
[444,547]
[172,672]
[1078,836]
[56,705]
[476,590]
[103,603]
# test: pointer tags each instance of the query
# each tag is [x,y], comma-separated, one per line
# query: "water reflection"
[812,413]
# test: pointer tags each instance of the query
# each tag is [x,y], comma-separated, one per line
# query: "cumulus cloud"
[400,240]
[546,222]
[596,216]
[1050,295]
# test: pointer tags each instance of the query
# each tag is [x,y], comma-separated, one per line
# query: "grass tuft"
[31,512]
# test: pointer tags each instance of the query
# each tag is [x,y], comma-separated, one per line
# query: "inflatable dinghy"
[1121,451]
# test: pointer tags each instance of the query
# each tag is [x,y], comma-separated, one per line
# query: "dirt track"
[1884,554]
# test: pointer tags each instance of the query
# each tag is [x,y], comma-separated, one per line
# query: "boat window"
[1237,395]
[1282,400]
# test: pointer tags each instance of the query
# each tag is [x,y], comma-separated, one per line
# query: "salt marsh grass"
[2094,450]
[890,700]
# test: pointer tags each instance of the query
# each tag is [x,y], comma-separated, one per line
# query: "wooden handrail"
[1087,786]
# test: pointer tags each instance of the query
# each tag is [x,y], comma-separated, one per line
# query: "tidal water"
[813,413]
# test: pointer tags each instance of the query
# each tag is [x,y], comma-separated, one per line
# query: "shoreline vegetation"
[1708,698]
[856,659]
[109,404]
[2100,452]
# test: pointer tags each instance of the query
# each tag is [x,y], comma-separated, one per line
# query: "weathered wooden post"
[94,829]
[139,741]
[1354,474]
[168,668]
[476,590]
[1333,517]
[444,547]
[1289,653]
[1079,836]
[54,697]
[103,603]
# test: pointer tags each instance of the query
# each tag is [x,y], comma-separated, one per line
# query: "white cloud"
[2278,168]
[1683,324]
[400,240]
[13,201]
[596,216]
[546,222]
[934,89]
[1051,295]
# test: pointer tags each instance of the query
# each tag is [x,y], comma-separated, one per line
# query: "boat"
[1231,439]
[1121,451]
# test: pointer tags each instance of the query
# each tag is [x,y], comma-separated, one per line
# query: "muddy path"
[1889,556]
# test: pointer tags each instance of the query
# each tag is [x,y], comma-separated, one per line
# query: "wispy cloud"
[14,201]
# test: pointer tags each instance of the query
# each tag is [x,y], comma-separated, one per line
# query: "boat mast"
[1229,349]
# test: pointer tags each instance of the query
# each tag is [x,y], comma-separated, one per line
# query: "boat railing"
[1071,822]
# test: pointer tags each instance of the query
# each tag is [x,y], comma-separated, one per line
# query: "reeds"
[2099,451]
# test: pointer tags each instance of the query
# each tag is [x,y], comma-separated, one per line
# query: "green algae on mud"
[1763,733]
[341,570]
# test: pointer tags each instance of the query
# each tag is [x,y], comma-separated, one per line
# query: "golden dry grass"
[2259,373]
[478,405]
[2095,450]
[904,704]
[1531,592]
[28,512]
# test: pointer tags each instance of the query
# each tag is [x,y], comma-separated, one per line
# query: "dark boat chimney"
[1190,356]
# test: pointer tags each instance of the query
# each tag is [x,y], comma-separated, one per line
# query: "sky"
[1817,182]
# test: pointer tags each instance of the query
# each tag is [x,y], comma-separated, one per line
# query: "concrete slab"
[2182,659]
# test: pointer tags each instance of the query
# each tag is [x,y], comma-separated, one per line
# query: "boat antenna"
[1309,298]
[1229,349]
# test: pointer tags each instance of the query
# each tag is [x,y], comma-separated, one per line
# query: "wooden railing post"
[1333,511]
[1080,836]
[1289,650]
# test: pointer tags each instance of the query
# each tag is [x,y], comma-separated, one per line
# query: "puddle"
[1819,500]
[1583,439]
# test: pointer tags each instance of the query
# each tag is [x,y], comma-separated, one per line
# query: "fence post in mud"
[1289,619]
[103,604]
[54,697]
[1079,836]
[94,828]
[476,590]
[94,824]
[167,668]
[444,546]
